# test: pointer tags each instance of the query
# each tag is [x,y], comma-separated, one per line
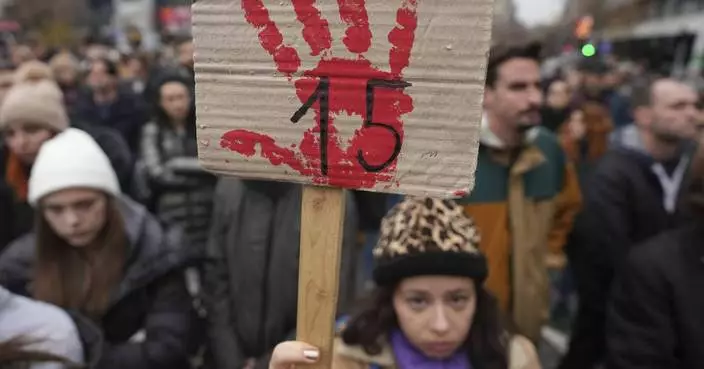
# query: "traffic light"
[588,49]
[584,27]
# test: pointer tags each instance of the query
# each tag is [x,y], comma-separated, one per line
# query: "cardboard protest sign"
[381,95]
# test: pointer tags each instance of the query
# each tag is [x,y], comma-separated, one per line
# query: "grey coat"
[251,282]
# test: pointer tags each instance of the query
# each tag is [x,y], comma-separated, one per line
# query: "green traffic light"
[588,50]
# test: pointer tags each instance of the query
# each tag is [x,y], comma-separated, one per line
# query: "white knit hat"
[72,159]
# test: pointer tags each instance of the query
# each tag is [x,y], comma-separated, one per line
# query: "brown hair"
[65,278]
[486,344]
[502,53]
[15,355]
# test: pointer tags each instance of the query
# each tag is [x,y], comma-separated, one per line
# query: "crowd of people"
[117,250]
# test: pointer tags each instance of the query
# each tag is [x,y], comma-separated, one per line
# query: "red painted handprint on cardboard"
[334,87]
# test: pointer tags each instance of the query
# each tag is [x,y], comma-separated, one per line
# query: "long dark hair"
[57,274]
[162,119]
[486,344]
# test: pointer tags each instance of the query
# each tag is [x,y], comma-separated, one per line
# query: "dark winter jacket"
[656,316]
[15,219]
[625,204]
[251,282]
[16,216]
[126,115]
[150,323]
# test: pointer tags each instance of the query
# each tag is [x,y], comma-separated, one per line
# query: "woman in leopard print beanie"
[430,309]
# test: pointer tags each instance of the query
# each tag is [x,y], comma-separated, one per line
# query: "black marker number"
[322,95]
[369,122]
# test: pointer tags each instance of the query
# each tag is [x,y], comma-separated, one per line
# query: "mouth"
[440,349]
[535,114]
[80,235]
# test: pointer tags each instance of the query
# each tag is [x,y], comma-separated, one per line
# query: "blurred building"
[667,35]
[138,14]
[53,20]
[506,27]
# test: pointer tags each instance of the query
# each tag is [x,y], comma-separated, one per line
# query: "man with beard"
[526,192]
[633,195]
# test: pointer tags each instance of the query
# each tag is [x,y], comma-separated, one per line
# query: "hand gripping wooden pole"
[322,219]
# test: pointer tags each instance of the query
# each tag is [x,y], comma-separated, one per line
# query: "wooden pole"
[322,219]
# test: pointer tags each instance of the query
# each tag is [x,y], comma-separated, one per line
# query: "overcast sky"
[535,12]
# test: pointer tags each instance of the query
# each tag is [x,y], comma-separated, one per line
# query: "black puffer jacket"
[151,302]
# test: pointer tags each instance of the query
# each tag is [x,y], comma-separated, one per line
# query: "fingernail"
[311,354]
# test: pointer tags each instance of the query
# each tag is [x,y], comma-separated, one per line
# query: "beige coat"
[524,213]
[522,356]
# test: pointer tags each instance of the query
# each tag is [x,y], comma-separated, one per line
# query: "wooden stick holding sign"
[374,95]
[322,215]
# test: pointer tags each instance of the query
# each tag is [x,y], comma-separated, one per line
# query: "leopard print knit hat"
[424,236]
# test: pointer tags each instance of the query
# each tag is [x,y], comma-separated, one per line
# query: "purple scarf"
[408,357]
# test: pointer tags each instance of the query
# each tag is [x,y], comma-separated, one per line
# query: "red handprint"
[336,86]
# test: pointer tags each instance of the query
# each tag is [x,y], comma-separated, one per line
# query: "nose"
[535,96]
[440,324]
[21,140]
[71,218]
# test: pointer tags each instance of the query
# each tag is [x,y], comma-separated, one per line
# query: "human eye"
[417,302]
[459,300]
[54,209]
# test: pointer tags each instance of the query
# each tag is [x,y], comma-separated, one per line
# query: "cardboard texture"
[393,88]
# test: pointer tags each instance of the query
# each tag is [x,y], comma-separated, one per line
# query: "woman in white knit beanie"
[105,258]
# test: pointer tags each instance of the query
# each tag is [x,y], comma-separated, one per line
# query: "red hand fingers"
[316,31]
[271,39]
[358,37]
[402,37]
